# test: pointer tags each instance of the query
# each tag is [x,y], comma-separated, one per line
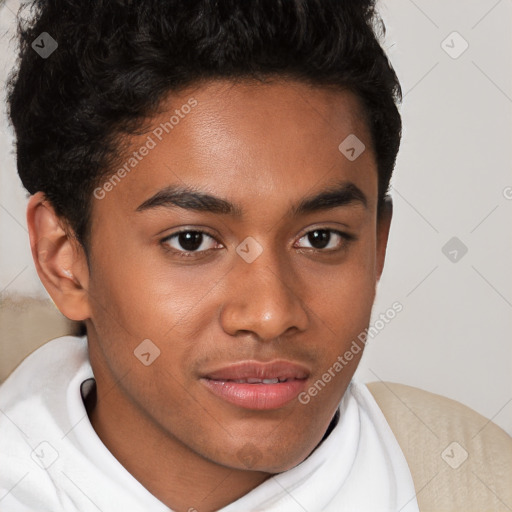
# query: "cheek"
[342,301]
[136,286]
[349,286]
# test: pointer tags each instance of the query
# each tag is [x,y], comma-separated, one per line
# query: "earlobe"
[60,264]
[383,227]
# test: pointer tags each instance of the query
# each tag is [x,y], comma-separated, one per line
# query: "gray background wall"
[452,179]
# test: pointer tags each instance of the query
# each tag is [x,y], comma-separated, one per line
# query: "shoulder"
[42,377]
[459,460]
[50,358]
[36,402]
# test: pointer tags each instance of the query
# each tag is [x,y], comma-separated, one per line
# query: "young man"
[208,195]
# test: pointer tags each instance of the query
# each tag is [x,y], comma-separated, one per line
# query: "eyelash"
[192,254]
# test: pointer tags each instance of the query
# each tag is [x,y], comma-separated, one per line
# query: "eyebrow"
[190,198]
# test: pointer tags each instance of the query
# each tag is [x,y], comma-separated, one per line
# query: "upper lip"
[278,369]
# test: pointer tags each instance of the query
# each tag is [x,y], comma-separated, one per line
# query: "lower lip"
[256,396]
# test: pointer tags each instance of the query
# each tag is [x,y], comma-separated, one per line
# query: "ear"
[59,259]
[383,226]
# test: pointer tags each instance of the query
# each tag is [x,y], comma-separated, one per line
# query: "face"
[244,247]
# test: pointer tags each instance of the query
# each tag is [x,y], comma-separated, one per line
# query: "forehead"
[249,141]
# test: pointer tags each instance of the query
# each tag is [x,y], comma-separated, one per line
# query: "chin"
[275,467]
[267,459]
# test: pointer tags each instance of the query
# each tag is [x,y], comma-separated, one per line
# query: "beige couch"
[26,324]
[459,460]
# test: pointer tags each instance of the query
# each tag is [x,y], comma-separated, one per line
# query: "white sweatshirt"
[52,460]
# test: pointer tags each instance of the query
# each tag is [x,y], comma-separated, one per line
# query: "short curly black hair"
[118,59]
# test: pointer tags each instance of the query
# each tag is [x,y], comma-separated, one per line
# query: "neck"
[172,472]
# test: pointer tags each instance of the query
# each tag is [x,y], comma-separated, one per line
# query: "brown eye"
[320,239]
[190,241]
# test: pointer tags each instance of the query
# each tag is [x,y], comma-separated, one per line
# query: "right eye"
[189,242]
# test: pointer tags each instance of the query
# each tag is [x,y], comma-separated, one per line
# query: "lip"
[258,396]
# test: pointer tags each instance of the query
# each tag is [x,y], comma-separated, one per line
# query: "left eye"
[322,239]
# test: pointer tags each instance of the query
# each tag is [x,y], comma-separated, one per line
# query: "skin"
[265,147]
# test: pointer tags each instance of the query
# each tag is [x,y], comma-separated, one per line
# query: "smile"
[256,385]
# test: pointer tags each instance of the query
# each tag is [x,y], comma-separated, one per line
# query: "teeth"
[253,380]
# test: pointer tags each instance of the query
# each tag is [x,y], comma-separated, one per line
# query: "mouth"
[256,385]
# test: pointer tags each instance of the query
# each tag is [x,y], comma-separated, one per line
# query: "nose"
[263,300]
